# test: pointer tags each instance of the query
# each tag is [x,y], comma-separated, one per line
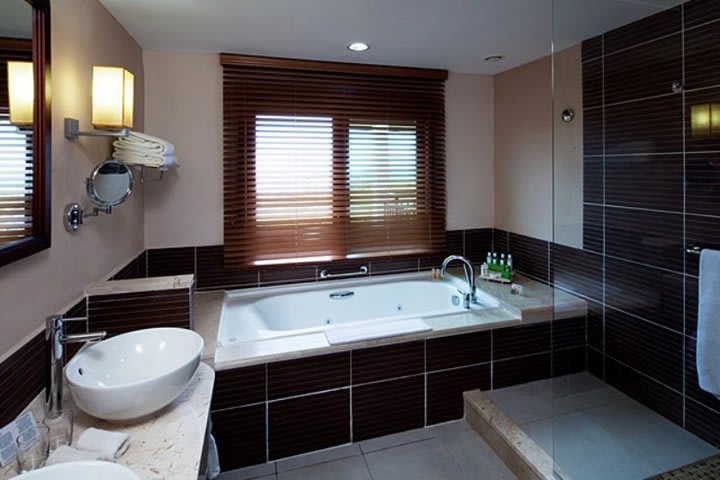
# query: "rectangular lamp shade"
[705,120]
[112,97]
[21,92]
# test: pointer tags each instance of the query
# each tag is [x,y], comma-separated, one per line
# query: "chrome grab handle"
[694,249]
[342,295]
[325,274]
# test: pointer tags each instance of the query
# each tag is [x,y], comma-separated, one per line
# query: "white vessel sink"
[134,374]
[82,471]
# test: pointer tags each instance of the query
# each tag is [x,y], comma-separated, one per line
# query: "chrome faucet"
[468,297]
[55,335]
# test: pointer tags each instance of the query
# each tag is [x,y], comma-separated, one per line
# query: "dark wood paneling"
[516,371]
[380,363]
[444,391]
[170,261]
[239,386]
[240,436]
[522,340]
[458,351]
[22,377]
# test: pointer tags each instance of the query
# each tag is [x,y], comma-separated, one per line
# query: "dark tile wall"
[650,189]
[302,405]
[210,274]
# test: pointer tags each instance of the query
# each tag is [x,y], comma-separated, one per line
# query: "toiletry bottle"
[488,259]
[510,262]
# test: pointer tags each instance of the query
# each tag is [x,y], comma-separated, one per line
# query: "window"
[329,165]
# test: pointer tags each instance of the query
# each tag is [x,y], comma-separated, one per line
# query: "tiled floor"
[452,451]
[595,432]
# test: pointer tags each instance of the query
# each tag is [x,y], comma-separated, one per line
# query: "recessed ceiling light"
[358,47]
[494,58]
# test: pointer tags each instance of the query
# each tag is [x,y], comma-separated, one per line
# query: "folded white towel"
[64,454]
[146,142]
[708,337]
[108,445]
[155,161]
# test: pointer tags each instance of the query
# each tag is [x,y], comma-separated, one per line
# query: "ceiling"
[451,34]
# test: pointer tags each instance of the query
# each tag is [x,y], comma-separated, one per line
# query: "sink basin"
[82,471]
[135,374]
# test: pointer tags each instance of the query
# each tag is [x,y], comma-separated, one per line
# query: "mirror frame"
[42,142]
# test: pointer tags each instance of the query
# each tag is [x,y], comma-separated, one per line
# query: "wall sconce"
[705,120]
[21,92]
[113,91]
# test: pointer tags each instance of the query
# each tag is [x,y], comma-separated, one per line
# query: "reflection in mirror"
[16,140]
[109,184]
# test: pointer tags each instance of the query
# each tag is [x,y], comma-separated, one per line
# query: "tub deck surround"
[539,303]
[166,446]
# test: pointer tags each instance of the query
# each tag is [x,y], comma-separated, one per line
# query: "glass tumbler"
[32,450]
[60,430]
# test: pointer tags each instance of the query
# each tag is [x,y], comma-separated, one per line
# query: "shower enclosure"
[636,194]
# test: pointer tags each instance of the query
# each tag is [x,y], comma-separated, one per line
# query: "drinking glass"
[32,450]
[61,430]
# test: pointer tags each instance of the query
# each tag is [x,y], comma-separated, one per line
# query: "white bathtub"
[271,320]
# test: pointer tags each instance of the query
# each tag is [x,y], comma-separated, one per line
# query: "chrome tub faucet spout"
[471,296]
[56,337]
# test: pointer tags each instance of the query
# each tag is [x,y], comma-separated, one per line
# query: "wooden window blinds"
[328,161]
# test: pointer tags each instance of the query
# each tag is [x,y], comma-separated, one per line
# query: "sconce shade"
[21,92]
[112,97]
[705,120]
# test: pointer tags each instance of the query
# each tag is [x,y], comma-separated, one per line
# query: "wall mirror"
[110,184]
[24,128]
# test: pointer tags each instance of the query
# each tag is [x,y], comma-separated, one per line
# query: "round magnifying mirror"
[110,184]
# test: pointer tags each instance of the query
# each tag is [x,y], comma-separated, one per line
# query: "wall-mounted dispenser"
[113,97]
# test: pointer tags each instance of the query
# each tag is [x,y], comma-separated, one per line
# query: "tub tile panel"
[522,340]
[381,363]
[568,361]
[308,423]
[240,436]
[703,422]
[307,375]
[445,389]
[211,273]
[23,374]
[388,407]
[458,350]
[507,373]
[239,386]
[692,385]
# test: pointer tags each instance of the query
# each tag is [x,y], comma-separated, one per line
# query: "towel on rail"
[145,143]
[708,336]
[154,161]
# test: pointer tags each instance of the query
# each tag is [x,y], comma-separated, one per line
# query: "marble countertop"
[166,446]
[538,303]
[140,285]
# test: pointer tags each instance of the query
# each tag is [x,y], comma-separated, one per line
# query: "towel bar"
[325,274]
[693,249]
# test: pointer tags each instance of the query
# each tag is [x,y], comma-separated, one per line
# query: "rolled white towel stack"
[93,444]
[145,150]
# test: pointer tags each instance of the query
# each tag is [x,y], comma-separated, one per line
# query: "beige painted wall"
[523,150]
[83,34]
[469,125]
[184,105]
[568,148]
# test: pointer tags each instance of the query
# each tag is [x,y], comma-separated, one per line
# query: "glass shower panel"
[634,92]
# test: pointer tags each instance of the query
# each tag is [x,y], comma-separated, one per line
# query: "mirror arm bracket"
[72,131]
[75,215]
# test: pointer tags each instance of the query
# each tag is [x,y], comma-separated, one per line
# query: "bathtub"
[274,320]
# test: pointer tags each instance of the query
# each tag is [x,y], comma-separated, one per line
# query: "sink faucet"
[55,335]
[470,297]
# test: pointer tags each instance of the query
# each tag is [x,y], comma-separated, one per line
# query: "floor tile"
[396,439]
[322,456]
[351,468]
[449,429]
[525,403]
[264,470]
[475,457]
[661,442]
[541,432]
[426,460]
[584,450]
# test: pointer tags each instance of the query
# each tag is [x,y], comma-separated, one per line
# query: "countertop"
[538,303]
[166,446]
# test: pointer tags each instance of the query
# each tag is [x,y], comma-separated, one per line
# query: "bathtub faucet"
[470,297]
